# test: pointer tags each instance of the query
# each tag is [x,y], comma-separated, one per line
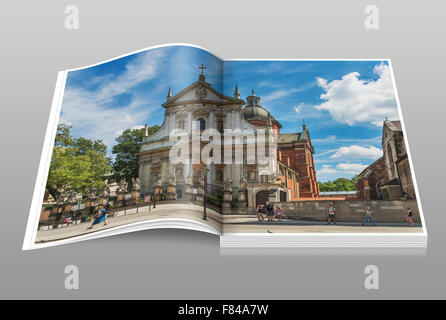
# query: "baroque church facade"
[199,107]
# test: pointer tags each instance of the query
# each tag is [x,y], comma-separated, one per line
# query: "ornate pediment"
[200,92]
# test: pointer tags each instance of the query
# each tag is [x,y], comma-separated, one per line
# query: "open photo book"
[262,153]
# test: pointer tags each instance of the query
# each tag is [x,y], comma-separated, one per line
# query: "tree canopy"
[77,164]
[340,184]
[128,144]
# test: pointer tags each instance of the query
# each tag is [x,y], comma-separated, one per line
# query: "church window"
[179,172]
[220,126]
[202,124]
[219,175]
[181,124]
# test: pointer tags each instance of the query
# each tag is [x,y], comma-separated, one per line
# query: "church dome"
[255,113]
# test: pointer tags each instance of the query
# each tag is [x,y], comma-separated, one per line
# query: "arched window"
[202,124]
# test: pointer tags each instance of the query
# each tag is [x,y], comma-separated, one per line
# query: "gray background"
[184,264]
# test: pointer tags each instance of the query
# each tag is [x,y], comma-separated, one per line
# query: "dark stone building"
[389,177]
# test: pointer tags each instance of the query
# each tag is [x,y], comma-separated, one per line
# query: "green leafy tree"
[340,184]
[77,164]
[63,136]
[125,165]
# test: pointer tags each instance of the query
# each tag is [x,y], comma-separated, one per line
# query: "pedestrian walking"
[270,212]
[68,220]
[409,217]
[368,216]
[259,213]
[101,216]
[331,213]
[279,213]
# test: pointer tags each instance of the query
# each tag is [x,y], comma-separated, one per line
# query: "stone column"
[103,200]
[120,201]
[171,189]
[56,212]
[188,195]
[89,205]
[158,191]
[67,207]
[200,193]
[242,200]
[227,202]
[135,196]
[227,197]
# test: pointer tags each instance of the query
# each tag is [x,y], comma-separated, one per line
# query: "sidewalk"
[168,210]
[232,223]
[251,225]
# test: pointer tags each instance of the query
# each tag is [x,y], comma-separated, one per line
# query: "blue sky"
[343,102]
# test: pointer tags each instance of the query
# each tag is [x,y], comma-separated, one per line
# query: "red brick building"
[296,150]
[370,180]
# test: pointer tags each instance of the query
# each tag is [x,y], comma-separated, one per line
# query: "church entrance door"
[262,197]
[282,196]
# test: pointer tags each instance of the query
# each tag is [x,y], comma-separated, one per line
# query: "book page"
[118,152]
[325,151]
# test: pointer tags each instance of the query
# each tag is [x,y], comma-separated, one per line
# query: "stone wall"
[351,210]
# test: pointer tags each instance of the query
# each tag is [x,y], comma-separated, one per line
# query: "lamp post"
[143,194]
[254,209]
[154,195]
[205,186]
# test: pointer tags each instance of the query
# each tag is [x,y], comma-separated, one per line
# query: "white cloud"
[351,168]
[357,152]
[351,100]
[90,113]
[327,169]
[277,94]
[341,169]
[95,121]
[141,69]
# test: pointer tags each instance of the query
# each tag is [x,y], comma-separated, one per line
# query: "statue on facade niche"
[189,180]
[71,197]
[273,177]
[201,179]
[60,198]
[136,184]
[92,194]
[201,92]
[228,184]
[123,185]
[106,189]
[251,175]
[243,184]
[172,180]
